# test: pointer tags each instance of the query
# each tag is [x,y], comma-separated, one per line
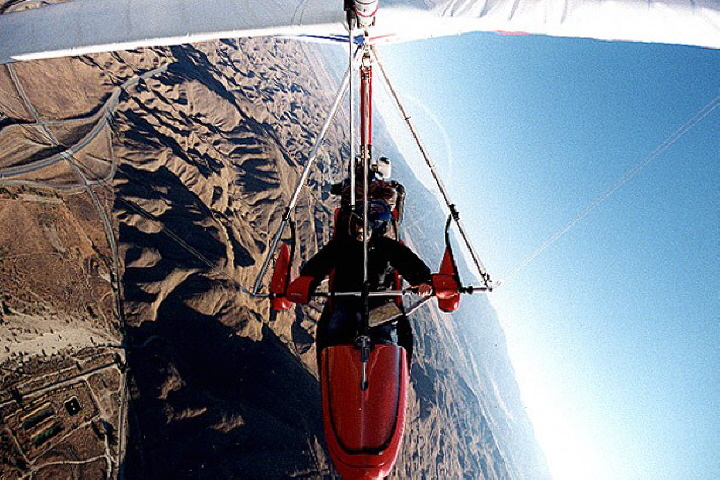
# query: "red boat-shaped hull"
[364,427]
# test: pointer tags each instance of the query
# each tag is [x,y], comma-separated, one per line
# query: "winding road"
[102,119]
[104,116]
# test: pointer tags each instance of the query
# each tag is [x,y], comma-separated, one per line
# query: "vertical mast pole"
[365,152]
[351,95]
[366,105]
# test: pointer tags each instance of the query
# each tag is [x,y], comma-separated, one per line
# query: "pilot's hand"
[425,289]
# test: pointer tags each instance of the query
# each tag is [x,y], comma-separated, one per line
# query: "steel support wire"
[301,182]
[453,211]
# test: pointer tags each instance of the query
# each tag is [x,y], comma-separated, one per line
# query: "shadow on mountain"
[208,403]
[205,401]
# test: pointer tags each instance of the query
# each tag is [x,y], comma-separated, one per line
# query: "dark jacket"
[345,255]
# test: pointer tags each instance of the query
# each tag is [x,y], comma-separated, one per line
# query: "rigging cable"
[484,275]
[303,177]
[629,175]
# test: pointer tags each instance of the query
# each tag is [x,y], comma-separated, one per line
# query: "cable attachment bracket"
[454,212]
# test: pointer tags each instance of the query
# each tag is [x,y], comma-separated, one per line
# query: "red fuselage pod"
[364,428]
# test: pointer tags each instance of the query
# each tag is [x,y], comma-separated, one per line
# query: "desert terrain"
[139,192]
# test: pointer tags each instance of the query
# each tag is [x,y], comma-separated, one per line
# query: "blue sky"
[614,329]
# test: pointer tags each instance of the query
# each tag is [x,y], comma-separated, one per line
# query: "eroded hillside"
[147,194]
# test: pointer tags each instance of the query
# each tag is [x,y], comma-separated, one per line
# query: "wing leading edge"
[85,26]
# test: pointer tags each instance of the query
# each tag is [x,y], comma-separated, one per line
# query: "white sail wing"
[685,22]
[84,26]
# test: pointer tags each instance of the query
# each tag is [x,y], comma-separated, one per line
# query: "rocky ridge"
[207,142]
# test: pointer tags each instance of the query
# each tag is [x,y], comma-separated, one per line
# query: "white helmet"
[383,168]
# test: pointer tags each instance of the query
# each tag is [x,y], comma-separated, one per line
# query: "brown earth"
[203,157]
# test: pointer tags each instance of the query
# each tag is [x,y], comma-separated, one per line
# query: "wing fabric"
[84,26]
[685,22]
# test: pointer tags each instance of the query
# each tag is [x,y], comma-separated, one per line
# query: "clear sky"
[614,329]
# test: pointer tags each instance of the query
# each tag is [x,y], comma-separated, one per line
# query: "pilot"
[381,187]
[343,256]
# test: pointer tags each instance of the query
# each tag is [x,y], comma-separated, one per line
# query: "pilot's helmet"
[379,216]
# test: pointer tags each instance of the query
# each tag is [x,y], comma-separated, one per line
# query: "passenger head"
[384,168]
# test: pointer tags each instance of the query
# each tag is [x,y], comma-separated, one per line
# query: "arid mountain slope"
[207,142]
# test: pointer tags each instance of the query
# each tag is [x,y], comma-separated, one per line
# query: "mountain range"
[193,175]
